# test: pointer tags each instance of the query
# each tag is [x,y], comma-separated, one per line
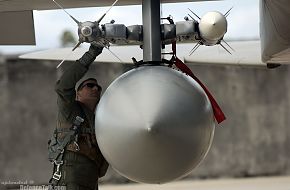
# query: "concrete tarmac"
[259,183]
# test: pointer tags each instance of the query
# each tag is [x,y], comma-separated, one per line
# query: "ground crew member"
[73,149]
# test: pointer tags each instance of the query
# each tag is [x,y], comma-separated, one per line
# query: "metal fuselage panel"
[17,28]
[19,5]
[275,30]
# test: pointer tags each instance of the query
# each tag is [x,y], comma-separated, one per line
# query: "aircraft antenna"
[64,59]
[225,48]
[114,54]
[195,48]
[69,54]
[108,48]
[194,13]
[228,12]
[77,45]
[100,19]
[66,12]
[191,17]
[228,45]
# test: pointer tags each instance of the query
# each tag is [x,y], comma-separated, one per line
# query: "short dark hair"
[81,84]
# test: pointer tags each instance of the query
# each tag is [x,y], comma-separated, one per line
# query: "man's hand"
[88,58]
[96,48]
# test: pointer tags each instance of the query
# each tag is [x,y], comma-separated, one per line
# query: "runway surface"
[260,183]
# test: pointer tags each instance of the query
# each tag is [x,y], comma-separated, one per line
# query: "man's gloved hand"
[96,49]
[88,58]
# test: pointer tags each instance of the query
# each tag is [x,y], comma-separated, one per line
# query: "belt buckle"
[56,175]
[77,146]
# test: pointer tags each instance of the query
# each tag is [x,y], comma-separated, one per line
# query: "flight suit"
[82,167]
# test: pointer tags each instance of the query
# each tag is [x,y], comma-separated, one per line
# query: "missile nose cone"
[154,124]
[86,31]
[213,26]
[212,21]
[149,127]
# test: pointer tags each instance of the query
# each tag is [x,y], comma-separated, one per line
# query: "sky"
[243,22]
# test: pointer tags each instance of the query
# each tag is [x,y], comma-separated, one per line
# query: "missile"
[212,27]
[154,124]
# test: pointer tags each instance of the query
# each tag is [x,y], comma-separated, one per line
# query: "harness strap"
[81,130]
[71,135]
[57,173]
[217,111]
[68,138]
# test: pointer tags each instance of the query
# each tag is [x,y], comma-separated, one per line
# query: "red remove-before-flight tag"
[218,113]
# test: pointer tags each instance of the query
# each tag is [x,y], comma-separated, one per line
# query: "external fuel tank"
[154,124]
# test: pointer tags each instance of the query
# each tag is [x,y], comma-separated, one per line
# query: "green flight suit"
[81,168]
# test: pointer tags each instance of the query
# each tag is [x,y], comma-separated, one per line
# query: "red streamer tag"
[218,113]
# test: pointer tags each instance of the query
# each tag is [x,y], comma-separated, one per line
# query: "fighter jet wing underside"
[17,28]
[20,5]
[274,25]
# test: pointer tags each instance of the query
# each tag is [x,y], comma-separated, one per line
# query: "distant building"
[2,58]
[254,140]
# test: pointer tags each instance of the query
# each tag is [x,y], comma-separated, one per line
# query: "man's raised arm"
[65,86]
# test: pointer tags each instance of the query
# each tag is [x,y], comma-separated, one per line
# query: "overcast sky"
[243,22]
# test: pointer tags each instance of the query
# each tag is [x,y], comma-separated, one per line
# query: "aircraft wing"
[274,24]
[21,5]
[246,53]
[17,28]
[121,52]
